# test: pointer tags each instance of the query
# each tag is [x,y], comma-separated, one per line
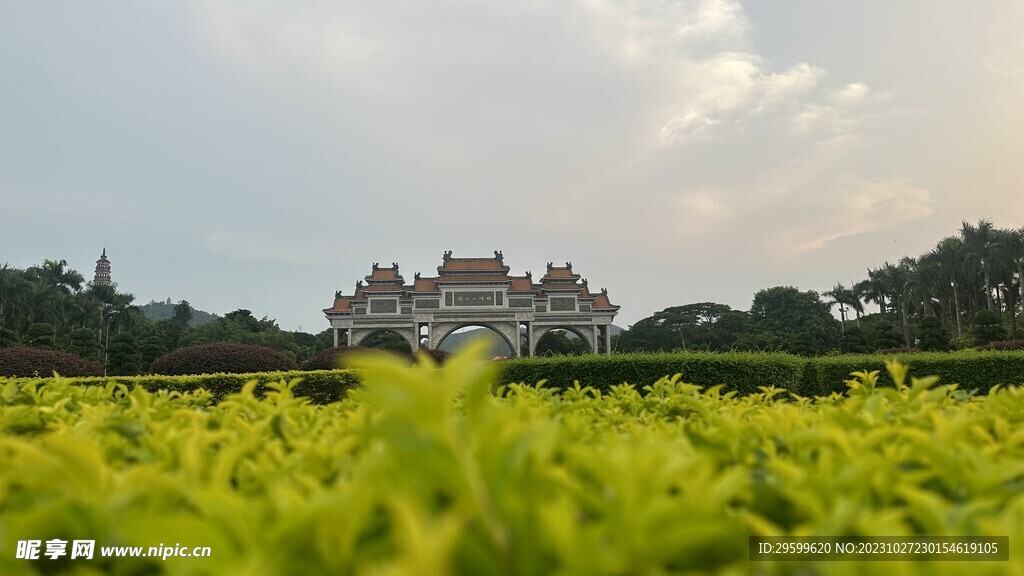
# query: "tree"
[932,336]
[123,357]
[83,342]
[950,254]
[886,336]
[691,326]
[853,341]
[40,335]
[987,327]
[980,243]
[8,337]
[151,348]
[179,323]
[787,312]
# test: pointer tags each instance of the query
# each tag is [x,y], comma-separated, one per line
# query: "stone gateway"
[474,292]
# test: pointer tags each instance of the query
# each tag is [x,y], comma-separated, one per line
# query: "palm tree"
[950,253]
[838,295]
[873,289]
[897,281]
[980,243]
[1005,263]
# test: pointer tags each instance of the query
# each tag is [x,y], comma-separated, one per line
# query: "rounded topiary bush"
[22,361]
[329,358]
[221,357]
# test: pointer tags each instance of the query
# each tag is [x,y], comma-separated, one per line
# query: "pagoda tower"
[102,277]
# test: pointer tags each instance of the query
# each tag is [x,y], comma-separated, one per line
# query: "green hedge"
[971,369]
[740,371]
[320,386]
[744,372]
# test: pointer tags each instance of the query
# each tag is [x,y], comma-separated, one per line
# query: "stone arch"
[507,331]
[585,333]
[407,334]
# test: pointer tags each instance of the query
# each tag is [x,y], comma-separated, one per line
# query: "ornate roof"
[471,272]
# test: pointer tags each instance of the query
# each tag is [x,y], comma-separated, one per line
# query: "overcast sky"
[262,155]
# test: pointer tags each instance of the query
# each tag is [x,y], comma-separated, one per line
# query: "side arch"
[407,334]
[585,333]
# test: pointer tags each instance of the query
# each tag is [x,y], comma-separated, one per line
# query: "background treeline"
[51,307]
[964,292]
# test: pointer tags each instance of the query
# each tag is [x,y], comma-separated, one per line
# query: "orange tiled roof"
[383,274]
[340,305]
[602,303]
[474,278]
[383,288]
[521,285]
[425,285]
[561,273]
[471,264]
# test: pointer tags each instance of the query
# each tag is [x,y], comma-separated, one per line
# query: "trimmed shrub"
[22,361]
[853,341]
[987,327]
[8,338]
[1003,345]
[740,371]
[330,358]
[319,387]
[898,350]
[972,370]
[887,336]
[84,343]
[222,357]
[40,335]
[932,335]
[123,357]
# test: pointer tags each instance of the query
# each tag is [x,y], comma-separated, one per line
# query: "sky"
[261,155]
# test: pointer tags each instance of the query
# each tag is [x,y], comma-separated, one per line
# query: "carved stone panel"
[383,306]
[563,304]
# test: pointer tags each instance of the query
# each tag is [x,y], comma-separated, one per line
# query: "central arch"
[507,332]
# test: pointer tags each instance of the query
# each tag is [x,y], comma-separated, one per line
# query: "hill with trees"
[156,311]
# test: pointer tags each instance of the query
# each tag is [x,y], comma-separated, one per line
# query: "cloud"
[859,206]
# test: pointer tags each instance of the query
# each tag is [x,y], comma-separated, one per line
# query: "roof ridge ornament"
[376,266]
[447,255]
[499,256]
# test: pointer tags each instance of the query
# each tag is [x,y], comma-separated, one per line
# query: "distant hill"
[500,348]
[155,311]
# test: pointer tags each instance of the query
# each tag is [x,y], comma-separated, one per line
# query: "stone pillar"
[348,337]
[608,339]
[531,344]
[594,341]
[335,330]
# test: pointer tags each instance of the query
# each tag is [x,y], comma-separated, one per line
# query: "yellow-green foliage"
[424,471]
